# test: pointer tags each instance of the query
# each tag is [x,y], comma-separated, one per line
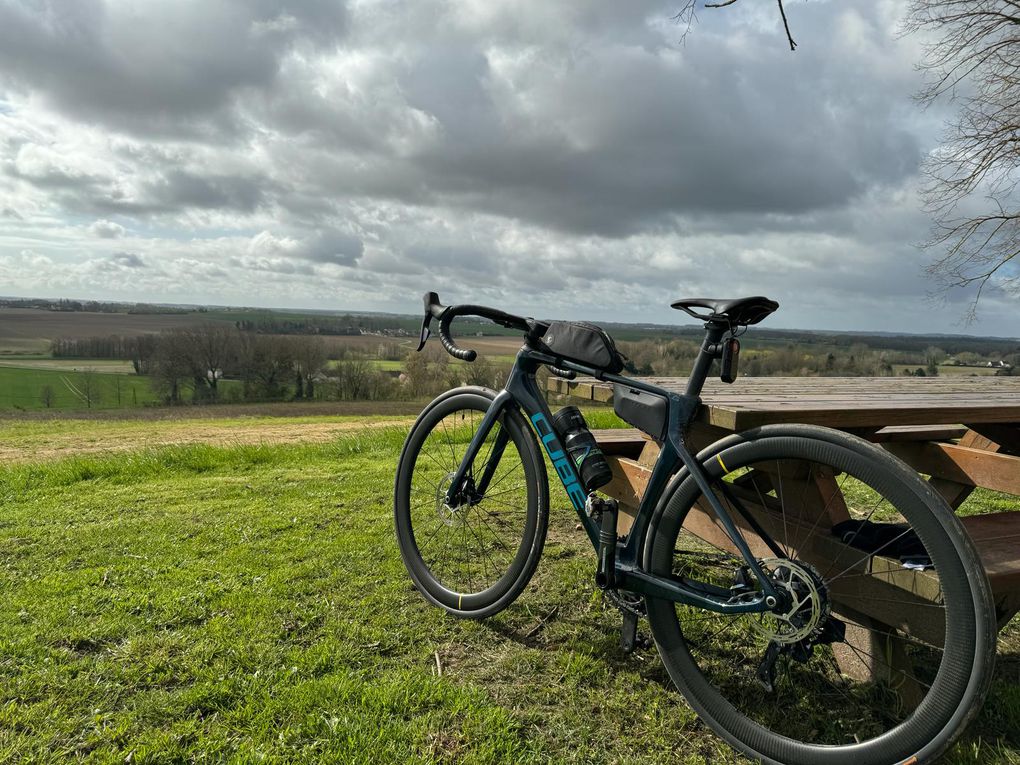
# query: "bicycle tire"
[968,641]
[496,544]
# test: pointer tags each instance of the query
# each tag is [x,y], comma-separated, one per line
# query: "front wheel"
[882,648]
[475,558]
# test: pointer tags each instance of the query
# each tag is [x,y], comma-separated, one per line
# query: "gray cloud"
[171,68]
[332,247]
[180,190]
[530,154]
[129,260]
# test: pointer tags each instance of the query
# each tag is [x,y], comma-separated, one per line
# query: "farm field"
[946,370]
[23,388]
[174,600]
[29,330]
[106,366]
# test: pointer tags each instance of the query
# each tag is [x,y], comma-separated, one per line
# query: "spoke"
[765,507]
[426,480]
[499,480]
[782,503]
[431,457]
[421,548]
[847,544]
[712,618]
[860,652]
[825,510]
[782,495]
[465,572]
[910,603]
[444,554]
[908,639]
[839,673]
[495,535]
[853,565]
[449,441]
[481,544]
[503,503]
[732,621]
[729,554]
[506,490]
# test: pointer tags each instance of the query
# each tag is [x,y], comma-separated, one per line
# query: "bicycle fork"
[456,494]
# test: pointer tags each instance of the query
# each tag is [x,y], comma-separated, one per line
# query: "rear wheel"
[473,558]
[884,648]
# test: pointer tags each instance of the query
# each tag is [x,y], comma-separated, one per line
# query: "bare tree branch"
[786,25]
[974,60]
[687,15]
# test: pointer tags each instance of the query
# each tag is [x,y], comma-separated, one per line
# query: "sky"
[555,159]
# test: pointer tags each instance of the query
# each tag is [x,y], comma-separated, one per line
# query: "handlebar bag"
[583,343]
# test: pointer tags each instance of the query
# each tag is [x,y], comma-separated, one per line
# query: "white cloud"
[106,229]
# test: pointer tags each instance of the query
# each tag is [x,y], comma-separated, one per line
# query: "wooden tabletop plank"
[841,402]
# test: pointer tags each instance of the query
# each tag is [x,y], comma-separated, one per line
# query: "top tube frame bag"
[583,343]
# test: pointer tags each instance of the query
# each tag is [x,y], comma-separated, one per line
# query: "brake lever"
[425,331]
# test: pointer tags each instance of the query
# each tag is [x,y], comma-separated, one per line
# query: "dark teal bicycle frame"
[522,390]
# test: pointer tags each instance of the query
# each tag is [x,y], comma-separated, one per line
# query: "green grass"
[106,366]
[248,603]
[22,388]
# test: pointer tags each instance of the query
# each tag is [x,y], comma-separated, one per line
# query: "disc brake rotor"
[448,515]
[808,603]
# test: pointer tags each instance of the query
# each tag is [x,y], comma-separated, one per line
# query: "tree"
[266,362]
[309,360]
[210,349]
[971,182]
[351,379]
[171,365]
[47,396]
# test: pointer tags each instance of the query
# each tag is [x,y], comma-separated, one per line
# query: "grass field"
[182,602]
[22,388]
[106,366]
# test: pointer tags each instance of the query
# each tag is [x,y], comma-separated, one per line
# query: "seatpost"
[710,351]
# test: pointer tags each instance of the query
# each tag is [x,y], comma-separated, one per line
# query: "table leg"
[870,656]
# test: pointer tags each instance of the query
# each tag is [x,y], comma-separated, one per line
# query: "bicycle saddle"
[742,311]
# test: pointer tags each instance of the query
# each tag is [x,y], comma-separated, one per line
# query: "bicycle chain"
[620,601]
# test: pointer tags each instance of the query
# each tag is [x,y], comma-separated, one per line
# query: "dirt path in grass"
[89,437]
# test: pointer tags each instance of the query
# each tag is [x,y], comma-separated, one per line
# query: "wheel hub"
[448,514]
[806,610]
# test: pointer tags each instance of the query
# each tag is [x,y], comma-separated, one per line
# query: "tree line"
[220,363]
[328,325]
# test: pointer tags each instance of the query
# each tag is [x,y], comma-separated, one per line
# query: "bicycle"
[754,628]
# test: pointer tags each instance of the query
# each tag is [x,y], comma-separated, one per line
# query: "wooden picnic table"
[961,433]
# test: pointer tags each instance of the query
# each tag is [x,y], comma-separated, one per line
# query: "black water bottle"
[580,445]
